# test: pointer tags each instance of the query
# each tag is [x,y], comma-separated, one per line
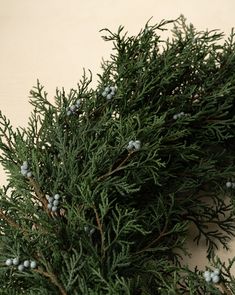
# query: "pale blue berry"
[104,93]
[107,89]
[33,264]
[69,113]
[49,206]
[73,108]
[21,267]
[78,102]
[136,144]
[55,202]
[86,228]
[16,261]
[29,174]
[26,263]
[215,279]
[24,172]
[54,208]
[216,271]
[113,90]
[207,274]
[109,96]
[92,231]
[56,196]
[130,144]
[8,262]
[208,279]
[228,184]
[175,117]
[25,165]
[50,199]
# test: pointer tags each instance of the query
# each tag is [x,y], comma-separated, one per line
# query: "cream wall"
[54,39]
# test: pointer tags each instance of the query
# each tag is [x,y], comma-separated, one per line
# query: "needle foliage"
[134,172]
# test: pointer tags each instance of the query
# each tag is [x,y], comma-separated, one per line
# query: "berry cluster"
[179,115]
[133,145]
[73,108]
[109,92]
[21,266]
[89,230]
[25,169]
[212,276]
[53,202]
[230,184]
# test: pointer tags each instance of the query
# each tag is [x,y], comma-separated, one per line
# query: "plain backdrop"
[53,40]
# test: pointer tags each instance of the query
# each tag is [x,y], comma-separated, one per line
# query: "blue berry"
[16,261]
[216,271]
[21,267]
[215,279]
[56,196]
[113,90]
[130,144]
[109,96]
[25,165]
[8,262]
[24,172]
[107,89]
[29,174]
[104,93]
[228,184]
[49,206]
[54,208]
[92,231]
[137,145]
[33,264]
[55,202]
[73,108]
[50,199]
[26,263]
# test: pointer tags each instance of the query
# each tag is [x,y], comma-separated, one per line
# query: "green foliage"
[124,214]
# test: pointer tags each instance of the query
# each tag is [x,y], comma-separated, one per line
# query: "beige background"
[54,39]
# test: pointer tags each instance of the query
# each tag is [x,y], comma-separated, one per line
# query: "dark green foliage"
[124,214]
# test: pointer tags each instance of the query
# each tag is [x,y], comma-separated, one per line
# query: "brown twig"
[53,279]
[225,289]
[40,196]
[162,234]
[10,221]
[100,229]
[119,167]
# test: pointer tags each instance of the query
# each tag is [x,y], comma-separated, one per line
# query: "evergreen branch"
[53,279]
[6,127]
[119,167]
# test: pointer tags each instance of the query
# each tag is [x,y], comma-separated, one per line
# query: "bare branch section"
[10,221]
[225,289]
[39,194]
[119,167]
[53,279]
